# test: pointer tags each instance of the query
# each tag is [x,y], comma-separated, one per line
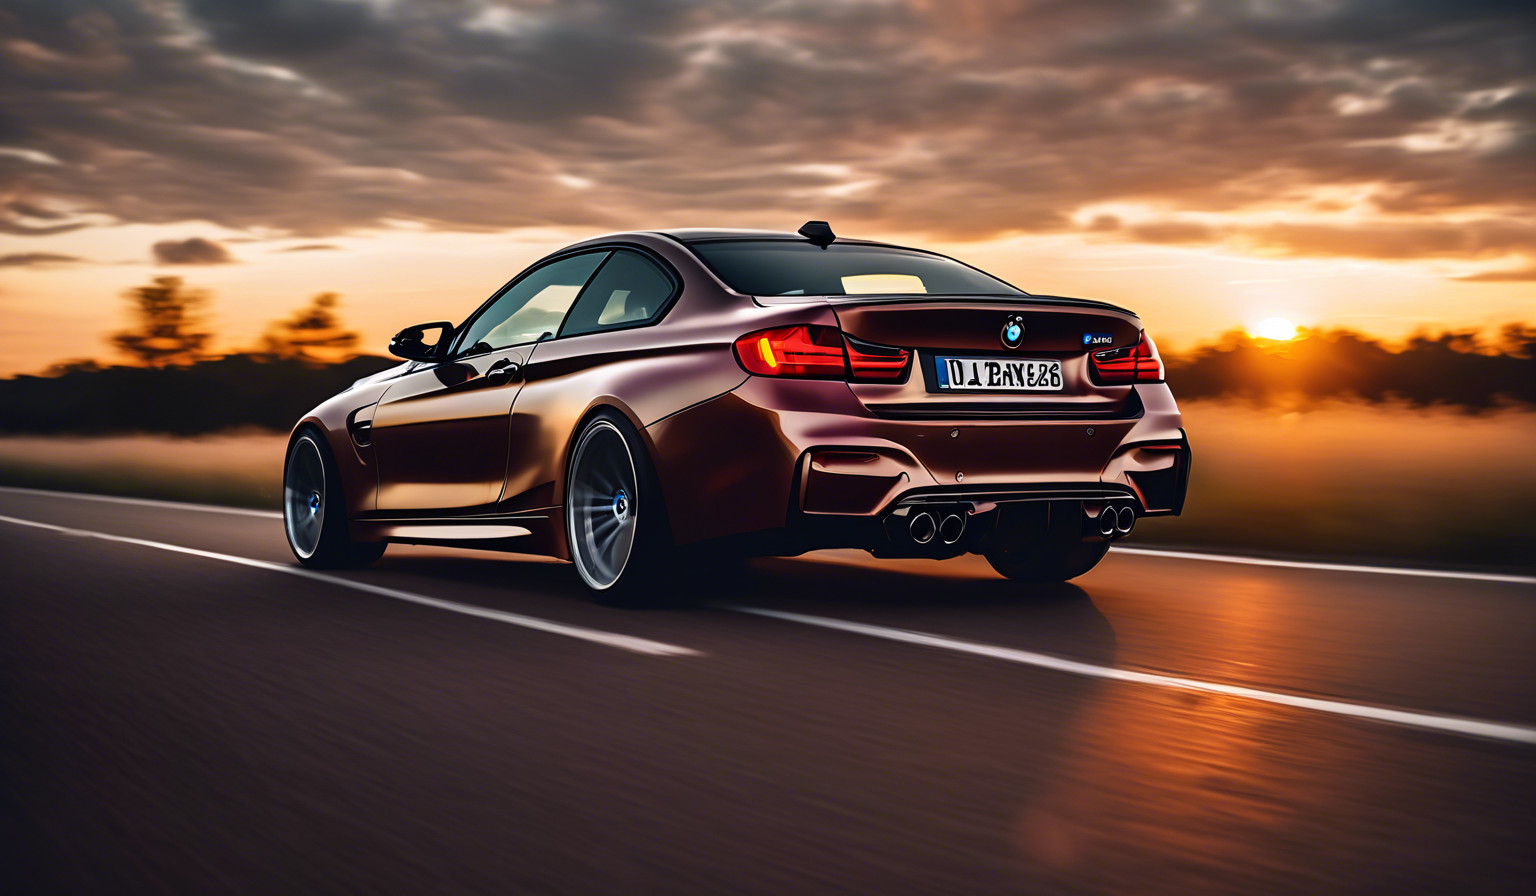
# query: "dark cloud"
[287,28]
[1518,275]
[17,228]
[21,208]
[311,247]
[962,118]
[36,259]
[191,251]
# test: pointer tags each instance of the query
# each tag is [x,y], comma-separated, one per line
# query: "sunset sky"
[1209,164]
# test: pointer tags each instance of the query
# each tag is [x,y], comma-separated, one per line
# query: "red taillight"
[805,351]
[1139,363]
[808,350]
[880,363]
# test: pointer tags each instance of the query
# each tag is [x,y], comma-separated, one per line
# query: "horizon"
[1350,164]
[1506,338]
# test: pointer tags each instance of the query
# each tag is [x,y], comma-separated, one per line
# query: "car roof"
[708,234]
[687,235]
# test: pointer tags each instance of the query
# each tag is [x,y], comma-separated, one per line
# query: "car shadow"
[950,599]
[1056,618]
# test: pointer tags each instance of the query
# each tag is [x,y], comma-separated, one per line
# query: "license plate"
[998,374]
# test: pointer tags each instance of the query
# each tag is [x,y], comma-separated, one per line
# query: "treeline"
[174,385]
[1467,369]
[246,390]
[270,390]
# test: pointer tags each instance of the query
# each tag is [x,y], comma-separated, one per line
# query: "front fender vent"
[360,426]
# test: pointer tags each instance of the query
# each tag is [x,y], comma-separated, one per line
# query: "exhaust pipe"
[1108,521]
[922,527]
[952,528]
[1125,521]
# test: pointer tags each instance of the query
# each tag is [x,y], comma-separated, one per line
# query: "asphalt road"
[184,712]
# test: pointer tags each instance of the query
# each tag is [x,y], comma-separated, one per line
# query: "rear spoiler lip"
[1027,299]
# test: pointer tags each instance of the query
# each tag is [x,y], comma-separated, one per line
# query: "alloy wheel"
[304,497]
[601,507]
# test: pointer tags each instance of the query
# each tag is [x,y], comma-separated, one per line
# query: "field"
[1339,480]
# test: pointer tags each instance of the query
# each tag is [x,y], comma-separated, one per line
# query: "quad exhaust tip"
[1108,520]
[922,527]
[952,528]
[1125,521]
[1116,522]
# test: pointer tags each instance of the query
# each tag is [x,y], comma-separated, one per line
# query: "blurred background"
[214,213]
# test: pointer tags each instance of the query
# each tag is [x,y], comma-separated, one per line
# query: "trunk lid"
[935,329]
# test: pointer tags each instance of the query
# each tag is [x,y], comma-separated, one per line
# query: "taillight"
[805,351]
[880,363]
[808,350]
[1139,363]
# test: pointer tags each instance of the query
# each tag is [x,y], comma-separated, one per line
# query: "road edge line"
[1471,727]
[632,643]
[143,502]
[1323,566]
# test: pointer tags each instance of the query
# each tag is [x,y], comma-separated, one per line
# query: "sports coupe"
[643,397]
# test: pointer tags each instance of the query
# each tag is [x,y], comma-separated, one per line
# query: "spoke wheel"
[602,508]
[315,509]
[304,497]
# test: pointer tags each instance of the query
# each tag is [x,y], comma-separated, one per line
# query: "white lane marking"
[144,502]
[609,639]
[1144,552]
[1454,724]
[1331,567]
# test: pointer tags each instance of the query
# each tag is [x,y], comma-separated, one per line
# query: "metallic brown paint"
[454,457]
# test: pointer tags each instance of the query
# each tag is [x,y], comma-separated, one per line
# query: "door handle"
[502,372]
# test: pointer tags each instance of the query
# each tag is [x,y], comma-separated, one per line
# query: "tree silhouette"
[311,333]
[1518,339]
[1456,367]
[169,329]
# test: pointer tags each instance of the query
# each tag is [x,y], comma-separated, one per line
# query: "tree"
[169,329]
[73,365]
[311,333]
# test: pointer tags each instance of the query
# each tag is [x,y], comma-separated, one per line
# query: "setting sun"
[1279,329]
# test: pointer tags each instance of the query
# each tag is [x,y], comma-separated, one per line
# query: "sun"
[1279,329]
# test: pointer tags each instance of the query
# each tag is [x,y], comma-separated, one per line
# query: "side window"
[531,307]
[630,289]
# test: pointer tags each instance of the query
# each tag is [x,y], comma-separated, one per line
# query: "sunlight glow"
[1277,328]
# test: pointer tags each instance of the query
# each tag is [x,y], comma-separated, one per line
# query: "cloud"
[191,251]
[1173,232]
[961,119]
[36,259]
[311,247]
[1518,275]
[1458,239]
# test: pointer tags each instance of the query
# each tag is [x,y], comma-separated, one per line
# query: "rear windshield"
[792,268]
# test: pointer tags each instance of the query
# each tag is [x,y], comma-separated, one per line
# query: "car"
[640,402]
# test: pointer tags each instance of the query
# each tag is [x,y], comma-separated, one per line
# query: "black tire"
[315,510]
[1049,549]
[615,521]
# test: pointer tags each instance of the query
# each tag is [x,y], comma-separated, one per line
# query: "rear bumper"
[776,454]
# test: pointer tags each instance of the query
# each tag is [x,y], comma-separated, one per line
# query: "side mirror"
[411,342]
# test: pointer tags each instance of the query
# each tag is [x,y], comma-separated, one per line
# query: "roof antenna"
[818,232]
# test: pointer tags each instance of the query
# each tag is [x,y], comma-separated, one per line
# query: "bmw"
[643,396]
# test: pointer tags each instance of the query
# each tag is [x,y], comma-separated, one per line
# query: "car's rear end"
[923,423]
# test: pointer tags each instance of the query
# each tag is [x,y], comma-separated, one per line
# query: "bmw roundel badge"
[1013,331]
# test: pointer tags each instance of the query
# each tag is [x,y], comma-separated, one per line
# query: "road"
[187,712]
